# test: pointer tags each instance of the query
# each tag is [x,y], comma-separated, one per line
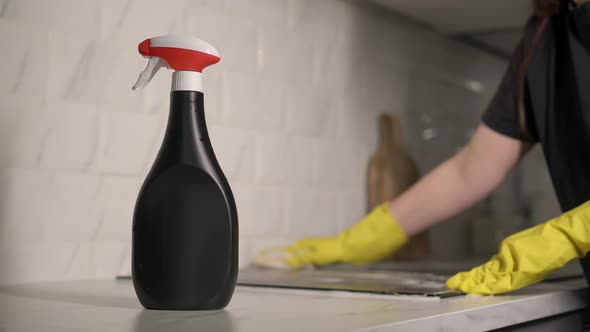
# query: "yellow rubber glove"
[529,256]
[375,237]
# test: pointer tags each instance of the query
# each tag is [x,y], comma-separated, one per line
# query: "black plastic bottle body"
[185,223]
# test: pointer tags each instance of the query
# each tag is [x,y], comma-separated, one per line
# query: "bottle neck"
[187,115]
[186,136]
[187,81]
[389,133]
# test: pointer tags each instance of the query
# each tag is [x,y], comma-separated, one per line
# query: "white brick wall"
[125,141]
[252,101]
[70,142]
[22,129]
[71,208]
[292,111]
[310,212]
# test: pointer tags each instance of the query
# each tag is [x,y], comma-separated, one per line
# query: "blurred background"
[292,110]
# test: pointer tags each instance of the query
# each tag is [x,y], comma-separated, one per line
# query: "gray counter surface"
[111,305]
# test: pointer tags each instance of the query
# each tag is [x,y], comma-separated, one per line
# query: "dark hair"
[543,10]
[546,8]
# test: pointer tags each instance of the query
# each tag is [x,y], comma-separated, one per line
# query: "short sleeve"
[501,115]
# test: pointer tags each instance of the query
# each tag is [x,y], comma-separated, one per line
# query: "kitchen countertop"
[111,305]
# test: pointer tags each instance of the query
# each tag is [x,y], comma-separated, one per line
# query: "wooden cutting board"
[390,172]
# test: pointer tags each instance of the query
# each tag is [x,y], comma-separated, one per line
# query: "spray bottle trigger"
[149,72]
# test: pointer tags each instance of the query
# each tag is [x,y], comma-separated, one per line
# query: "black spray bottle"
[185,224]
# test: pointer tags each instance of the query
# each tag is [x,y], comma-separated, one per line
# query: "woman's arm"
[459,182]
[453,186]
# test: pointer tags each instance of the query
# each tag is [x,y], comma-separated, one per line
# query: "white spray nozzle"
[149,72]
[179,53]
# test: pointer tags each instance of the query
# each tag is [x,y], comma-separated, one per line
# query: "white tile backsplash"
[70,143]
[137,20]
[239,152]
[125,141]
[98,260]
[234,36]
[65,52]
[24,61]
[105,72]
[116,200]
[310,212]
[285,159]
[356,122]
[72,214]
[35,261]
[23,126]
[271,12]
[260,210]
[60,15]
[252,101]
[292,110]
[213,100]
[339,164]
[23,204]
[286,56]
[307,112]
[351,207]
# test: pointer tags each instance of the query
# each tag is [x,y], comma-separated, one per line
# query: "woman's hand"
[529,256]
[374,238]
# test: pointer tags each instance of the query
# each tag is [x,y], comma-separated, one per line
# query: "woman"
[541,100]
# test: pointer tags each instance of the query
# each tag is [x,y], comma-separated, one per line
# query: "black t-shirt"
[556,103]
[502,114]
